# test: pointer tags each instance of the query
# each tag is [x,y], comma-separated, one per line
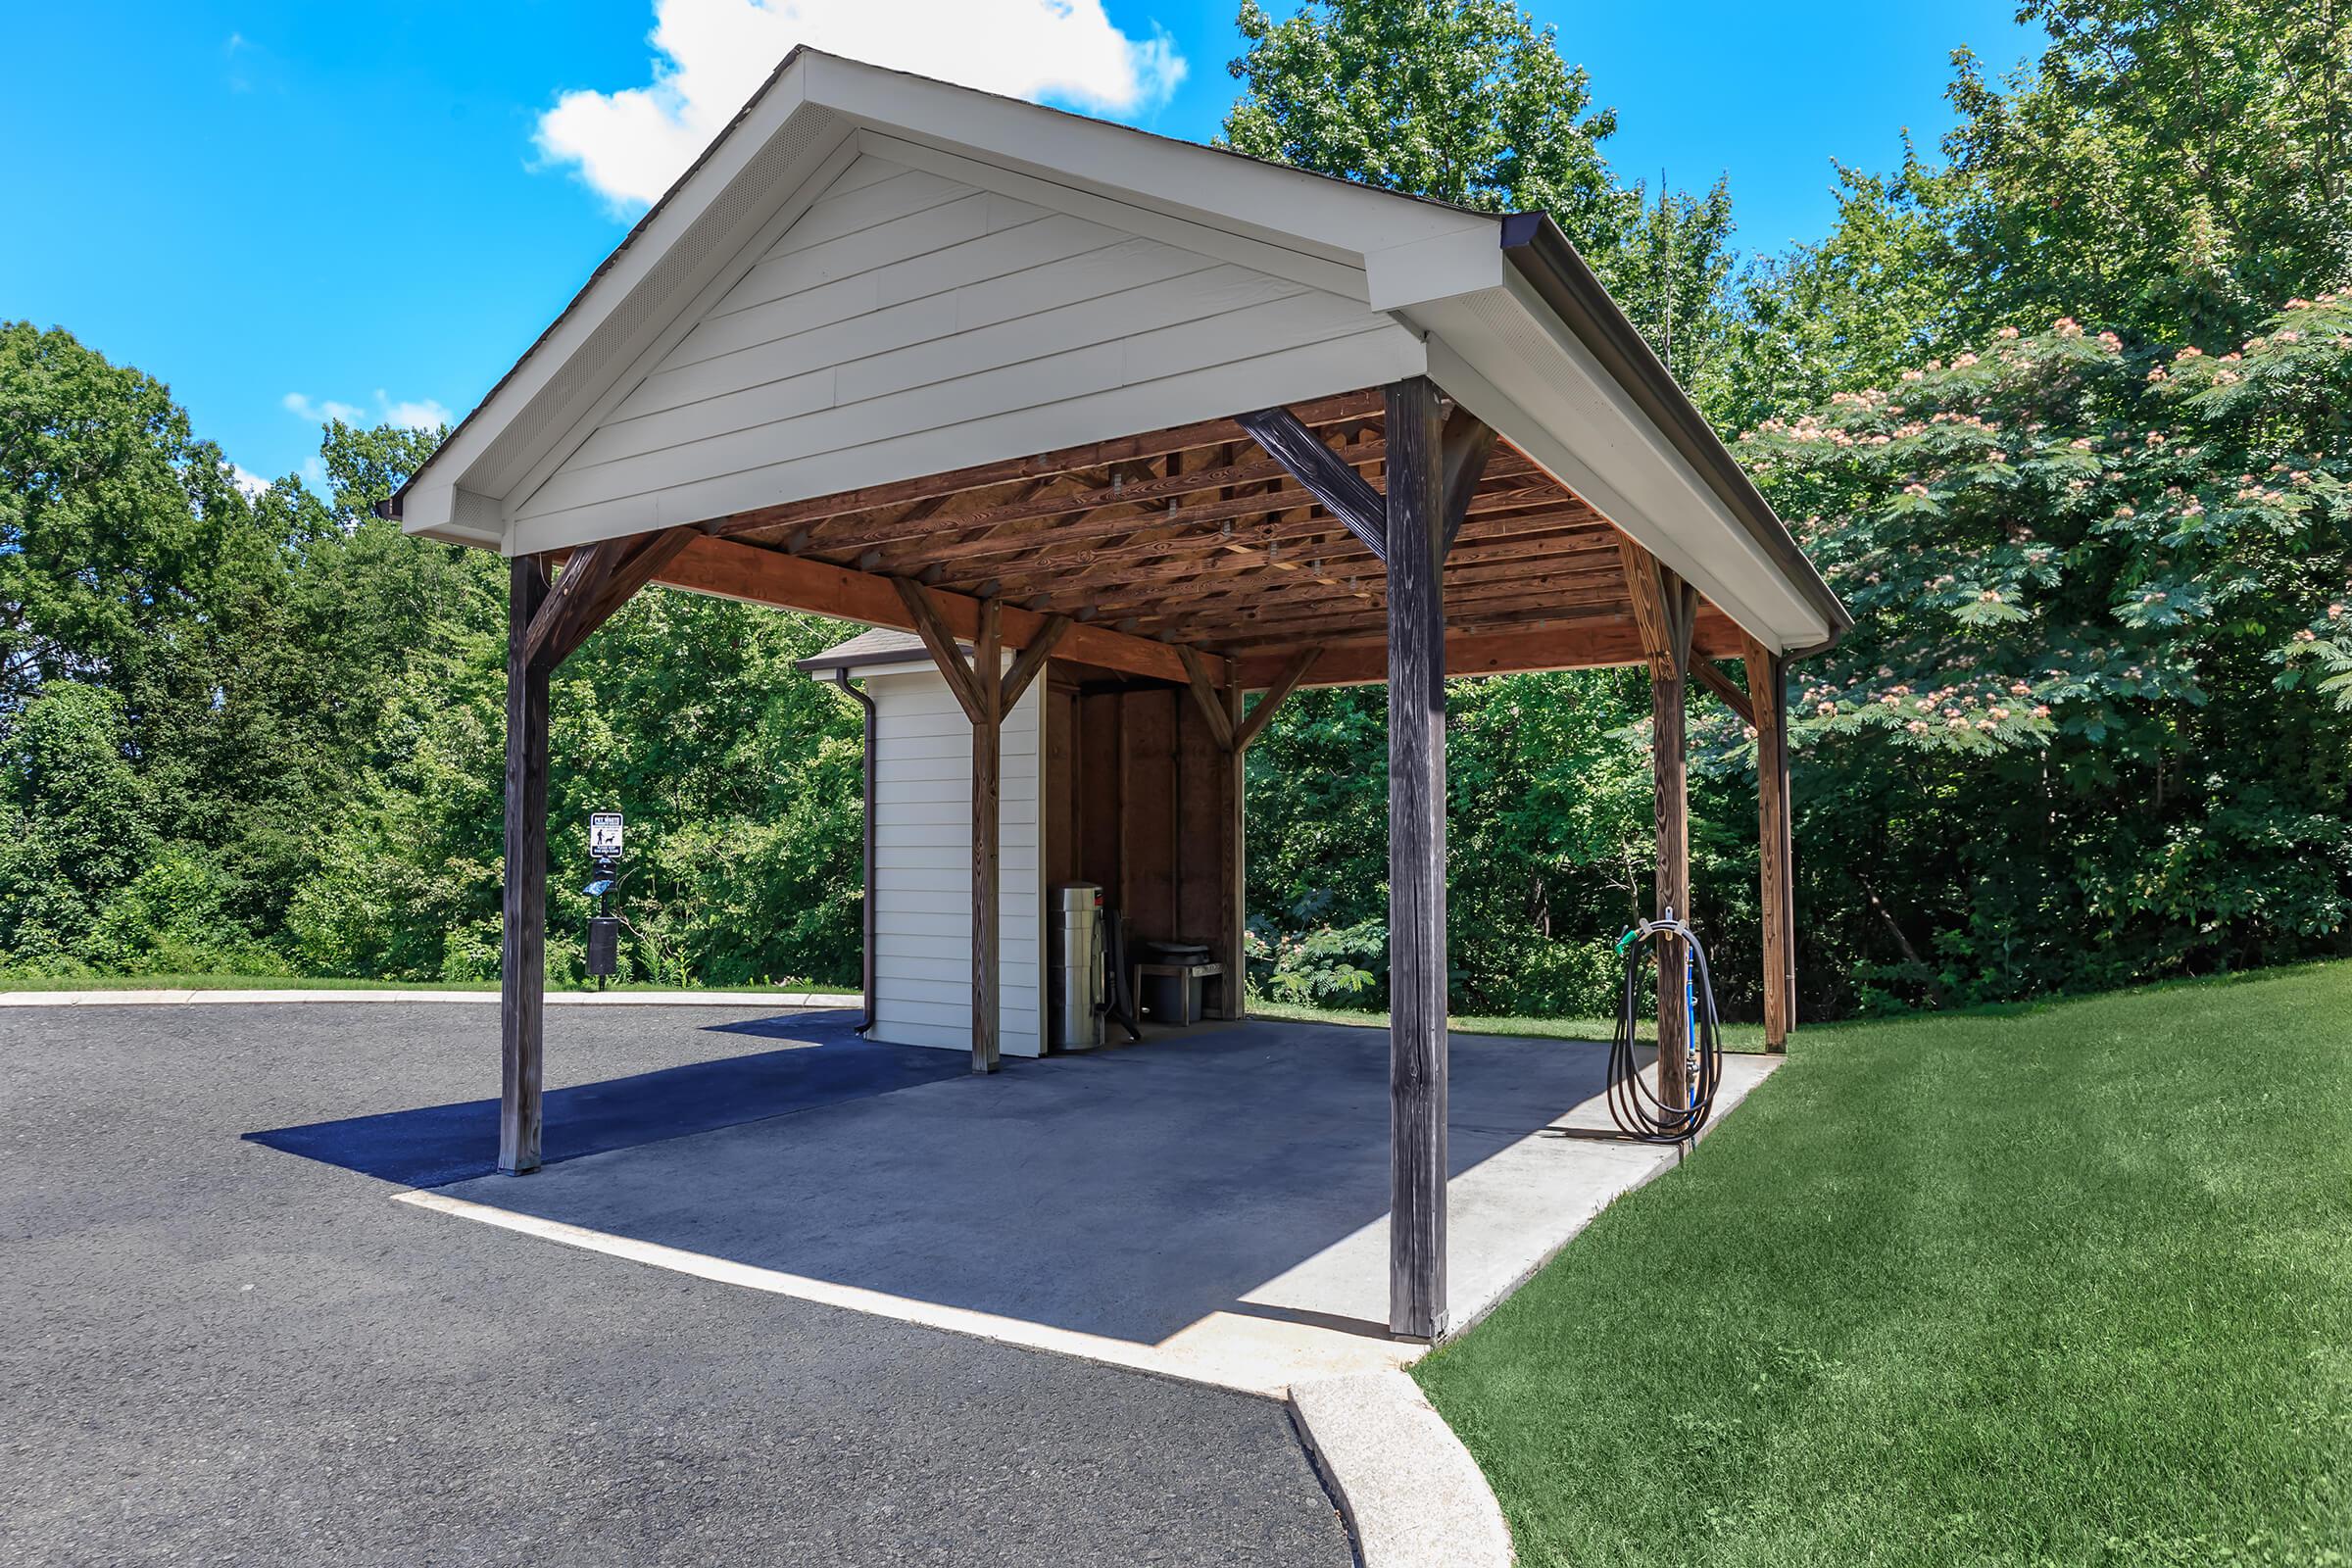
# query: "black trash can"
[604,944]
[1172,998]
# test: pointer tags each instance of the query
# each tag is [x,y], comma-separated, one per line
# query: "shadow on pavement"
[819,1062]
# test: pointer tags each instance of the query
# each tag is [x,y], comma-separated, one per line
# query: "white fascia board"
[1212,187]
[792,208]
[1460,260]
[1508,361]
[550,364]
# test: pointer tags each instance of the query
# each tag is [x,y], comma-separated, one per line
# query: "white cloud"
[245,479]
[423,414]
[714,54]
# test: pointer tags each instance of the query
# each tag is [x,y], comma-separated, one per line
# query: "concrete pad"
[1209,1206]
[1412,1495]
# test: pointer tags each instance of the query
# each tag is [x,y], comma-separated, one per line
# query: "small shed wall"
[923,868]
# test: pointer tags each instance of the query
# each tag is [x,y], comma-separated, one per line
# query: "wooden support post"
[521,983]
[1232,859]
[1767,686]
[1666,609]
[1416,535]
[1669,777]
[988,752]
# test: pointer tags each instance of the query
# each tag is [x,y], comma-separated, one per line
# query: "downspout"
[840,678]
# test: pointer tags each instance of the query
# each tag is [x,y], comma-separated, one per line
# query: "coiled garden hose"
[1641,1112]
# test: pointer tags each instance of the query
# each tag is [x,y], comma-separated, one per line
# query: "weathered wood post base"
[523,966]
[1417,1055]
[1666,611]
[988,754]
[1670,780]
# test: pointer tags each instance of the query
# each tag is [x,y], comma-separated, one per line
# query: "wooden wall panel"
[1198,821]
[1150,803]
[1062,804]
[1100,820]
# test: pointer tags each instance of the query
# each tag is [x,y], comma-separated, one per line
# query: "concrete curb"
[1412,1495]
[559,998]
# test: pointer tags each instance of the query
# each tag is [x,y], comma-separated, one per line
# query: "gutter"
[840,678]
[1534,244]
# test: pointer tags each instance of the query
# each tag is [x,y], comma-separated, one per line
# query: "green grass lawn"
[2064,1286]
[296,982]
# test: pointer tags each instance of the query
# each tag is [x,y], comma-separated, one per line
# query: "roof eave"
[1542,253]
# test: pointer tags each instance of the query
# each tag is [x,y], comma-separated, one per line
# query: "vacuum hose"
[1641,1112]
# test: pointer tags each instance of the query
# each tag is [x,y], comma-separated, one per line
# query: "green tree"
[2098,594]
[80,820]
[1469,102]
[2176,167]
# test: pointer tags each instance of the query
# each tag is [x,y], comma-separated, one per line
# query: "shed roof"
[883,645]
[1108,481]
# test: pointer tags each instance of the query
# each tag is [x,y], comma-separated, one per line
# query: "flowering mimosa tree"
[2126,572]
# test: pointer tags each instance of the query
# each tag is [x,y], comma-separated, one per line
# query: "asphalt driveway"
[220,1340]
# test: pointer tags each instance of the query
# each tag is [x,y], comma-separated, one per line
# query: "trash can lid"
[1174,951]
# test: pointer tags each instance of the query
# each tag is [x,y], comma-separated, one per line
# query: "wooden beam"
[1113,524]
[522,965]
[561,623]
[1711,676]
[1286,681]
[962,683]
[1325,474]
[1767,682]
[1468,442]
[657,550]
[1205,698]
[730,570]
[1417,1044]
[1033,660]
[854,532]
[1582,644]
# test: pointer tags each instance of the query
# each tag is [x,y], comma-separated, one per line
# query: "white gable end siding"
[910,321]
[922,869]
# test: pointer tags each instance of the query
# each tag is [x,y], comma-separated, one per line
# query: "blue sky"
[281,206]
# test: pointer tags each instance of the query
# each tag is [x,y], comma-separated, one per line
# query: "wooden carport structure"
[1316,434]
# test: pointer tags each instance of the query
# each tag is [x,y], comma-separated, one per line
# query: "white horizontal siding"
[905,301]
[923,869]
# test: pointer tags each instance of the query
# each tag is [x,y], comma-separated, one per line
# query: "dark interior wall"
[1139,799]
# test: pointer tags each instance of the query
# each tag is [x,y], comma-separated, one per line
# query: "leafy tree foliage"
[2187,163]
[2095,591]
[2170,169]
[266,733]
